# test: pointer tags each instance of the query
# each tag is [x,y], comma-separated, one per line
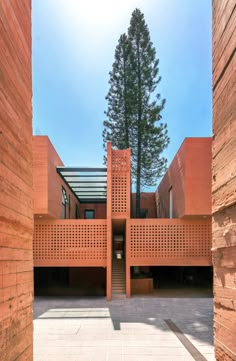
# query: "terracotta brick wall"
[48,183]
[174,178]
[189,176]
[100,209]
[198,158]
[69,242]
[40,175]
[168,242]
[16,210]
[224,178]
[148,202]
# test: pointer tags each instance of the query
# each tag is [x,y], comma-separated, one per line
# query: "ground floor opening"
[62,281]
[172,281]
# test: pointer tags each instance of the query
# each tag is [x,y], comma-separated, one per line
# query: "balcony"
[70,243]
[168,242]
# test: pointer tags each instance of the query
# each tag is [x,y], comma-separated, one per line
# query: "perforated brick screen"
[169,239]
[81,242]
[120,179]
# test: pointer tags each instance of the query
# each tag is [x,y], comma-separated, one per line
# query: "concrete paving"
[92,329]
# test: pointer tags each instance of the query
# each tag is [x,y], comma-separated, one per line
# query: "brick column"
[109,222]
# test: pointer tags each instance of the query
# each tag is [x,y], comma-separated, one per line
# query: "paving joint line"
[197,356]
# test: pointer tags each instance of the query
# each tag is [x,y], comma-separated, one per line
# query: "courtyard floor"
[135,329]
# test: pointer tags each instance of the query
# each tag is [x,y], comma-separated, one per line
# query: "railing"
[168,242]
[70,243]
[148,242]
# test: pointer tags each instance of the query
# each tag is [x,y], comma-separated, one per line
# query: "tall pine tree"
[134,108]
[116,127]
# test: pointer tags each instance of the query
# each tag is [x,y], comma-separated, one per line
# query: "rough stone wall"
[16,210]
[224,178]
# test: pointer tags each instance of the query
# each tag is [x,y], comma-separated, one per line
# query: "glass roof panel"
[86,183]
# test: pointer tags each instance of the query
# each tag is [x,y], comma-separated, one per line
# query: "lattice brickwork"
[120,161]
[70,240]
[120,179]
[156,239]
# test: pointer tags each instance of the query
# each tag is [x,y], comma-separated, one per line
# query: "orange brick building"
[84,230]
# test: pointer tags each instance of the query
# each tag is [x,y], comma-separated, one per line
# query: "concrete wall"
[189,177]
[224,178]
[16,208]
[48,183]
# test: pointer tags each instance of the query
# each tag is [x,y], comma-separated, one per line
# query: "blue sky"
[73,51]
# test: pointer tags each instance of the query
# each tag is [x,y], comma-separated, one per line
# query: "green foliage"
[116,128]
[134,109]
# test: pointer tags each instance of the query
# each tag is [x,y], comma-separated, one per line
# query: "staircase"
[118,278]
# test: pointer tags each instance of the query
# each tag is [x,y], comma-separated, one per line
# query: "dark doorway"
[171,277]
[71,281]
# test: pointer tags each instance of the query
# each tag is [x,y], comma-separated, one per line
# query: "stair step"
[118,296]
[118,284]
[118,275]
[118,270]
[118,290]
[118,266]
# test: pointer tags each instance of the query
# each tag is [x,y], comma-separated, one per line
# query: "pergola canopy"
[89,185]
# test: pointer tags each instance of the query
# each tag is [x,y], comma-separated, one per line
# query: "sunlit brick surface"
[224,177]
[120,179]
[16,200]
[170,239]
[70,242]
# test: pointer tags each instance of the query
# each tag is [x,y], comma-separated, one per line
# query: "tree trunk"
[125,105]
[138,199]
[138,174]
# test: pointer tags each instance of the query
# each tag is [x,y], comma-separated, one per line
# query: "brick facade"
[189,178]
[16,201]
[224,178]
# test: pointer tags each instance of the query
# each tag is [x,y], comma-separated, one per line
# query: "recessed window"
[143,212]
[64,200]
[69,205]
[158,209]
[170,203]
[76,211]
[89,214]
